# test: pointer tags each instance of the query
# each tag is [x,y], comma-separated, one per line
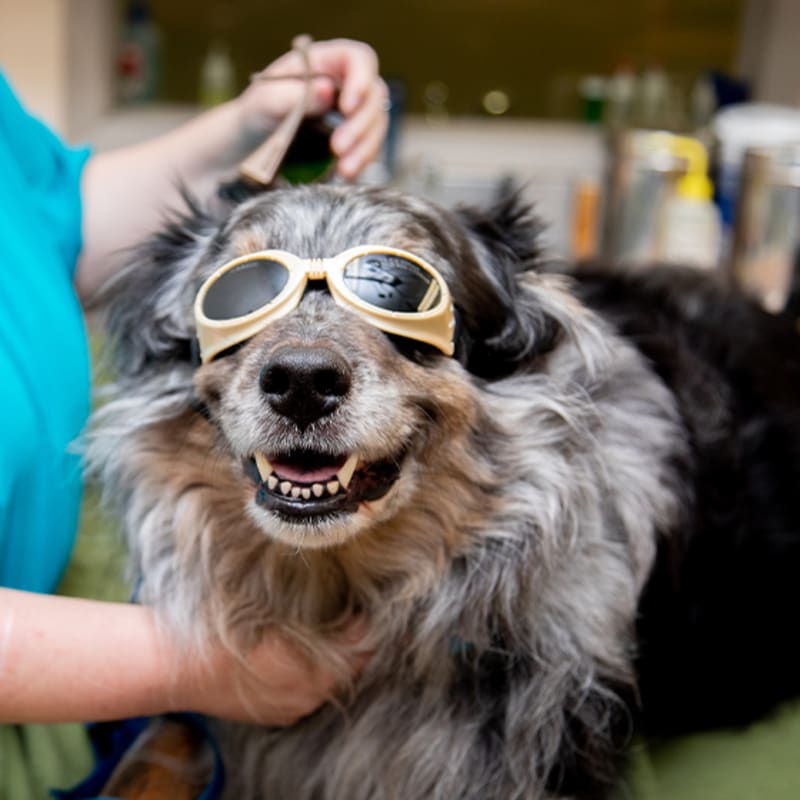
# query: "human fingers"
[277,682]
[345,74]
[353,64]
[276,90]
[346,64]
[362,98]
[359,139]
[288,684]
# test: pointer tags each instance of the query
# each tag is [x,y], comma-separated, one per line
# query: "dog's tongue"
[298,474]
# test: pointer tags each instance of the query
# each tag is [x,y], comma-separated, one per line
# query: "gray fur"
[526,532]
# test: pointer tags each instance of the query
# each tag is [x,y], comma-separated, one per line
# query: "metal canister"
[767,226]
[642,174]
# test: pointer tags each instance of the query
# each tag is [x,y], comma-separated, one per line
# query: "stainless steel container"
[767,226]
[643,170]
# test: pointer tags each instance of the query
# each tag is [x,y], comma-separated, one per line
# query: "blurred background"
[644,130]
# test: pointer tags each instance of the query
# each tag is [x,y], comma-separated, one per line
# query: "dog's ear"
[240,189]
[508,227]
[146,305]
[503,328]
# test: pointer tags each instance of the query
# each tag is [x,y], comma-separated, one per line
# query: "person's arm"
[127,191]
[64,659]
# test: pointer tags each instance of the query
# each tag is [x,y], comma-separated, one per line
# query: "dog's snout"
[305,383]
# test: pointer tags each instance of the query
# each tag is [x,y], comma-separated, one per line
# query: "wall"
[58,54]
[769,51]
[37,28]
[535,50]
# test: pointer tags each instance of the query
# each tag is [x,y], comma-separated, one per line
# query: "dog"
[569,515]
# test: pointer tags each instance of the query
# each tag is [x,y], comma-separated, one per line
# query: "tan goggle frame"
[435,326]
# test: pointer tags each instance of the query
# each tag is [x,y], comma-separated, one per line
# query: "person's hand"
[274,684]
[352,68]
[202,153]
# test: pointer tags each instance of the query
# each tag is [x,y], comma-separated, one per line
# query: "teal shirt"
[44,361]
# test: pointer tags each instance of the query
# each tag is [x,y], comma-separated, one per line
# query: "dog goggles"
[391,289]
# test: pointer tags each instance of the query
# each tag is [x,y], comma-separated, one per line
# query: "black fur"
[713,632]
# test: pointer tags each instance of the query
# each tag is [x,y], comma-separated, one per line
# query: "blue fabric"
[111,740]
[44,361]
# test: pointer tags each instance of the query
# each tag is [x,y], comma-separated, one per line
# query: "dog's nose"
[305,383]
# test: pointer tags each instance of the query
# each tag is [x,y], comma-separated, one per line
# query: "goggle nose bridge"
[316,269]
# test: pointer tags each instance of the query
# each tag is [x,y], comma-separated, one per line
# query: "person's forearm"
[69,660]
[127,192]
[63,659]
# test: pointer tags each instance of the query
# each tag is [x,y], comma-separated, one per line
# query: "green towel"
[36,758]
[759,762]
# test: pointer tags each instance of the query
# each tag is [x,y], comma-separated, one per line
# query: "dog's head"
[327,425]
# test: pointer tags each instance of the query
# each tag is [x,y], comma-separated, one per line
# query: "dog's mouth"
[307,484]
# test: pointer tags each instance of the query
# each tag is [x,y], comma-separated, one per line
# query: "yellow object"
[585,219]
[695,184]
[689,229]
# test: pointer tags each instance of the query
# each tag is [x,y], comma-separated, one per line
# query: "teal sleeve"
[44,364]
[48,168]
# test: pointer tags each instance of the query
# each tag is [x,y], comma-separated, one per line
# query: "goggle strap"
[195,355]
[463,343]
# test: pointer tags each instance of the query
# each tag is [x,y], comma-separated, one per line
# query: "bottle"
[217,76]
[139,63]
[585,219]
[620,96]
[689,230]
[593,90]
[702,106]
[650,105]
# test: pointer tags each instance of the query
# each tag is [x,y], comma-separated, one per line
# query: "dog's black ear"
[239,189]
[503,329]
[147,307]
[508,227]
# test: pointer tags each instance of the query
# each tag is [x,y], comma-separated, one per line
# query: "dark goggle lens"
[392,283]
[244,288]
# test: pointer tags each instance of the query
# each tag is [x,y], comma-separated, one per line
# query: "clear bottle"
[139,62]
[689,230]
[217,76]
[621,93]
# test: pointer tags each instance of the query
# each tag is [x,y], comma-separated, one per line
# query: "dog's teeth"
[332,486]
[346,472]
[286,487]
[264,467]
[272,482]
[296,491]
[318,489]
[306,493]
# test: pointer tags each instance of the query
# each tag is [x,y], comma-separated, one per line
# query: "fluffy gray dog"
[508,470]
